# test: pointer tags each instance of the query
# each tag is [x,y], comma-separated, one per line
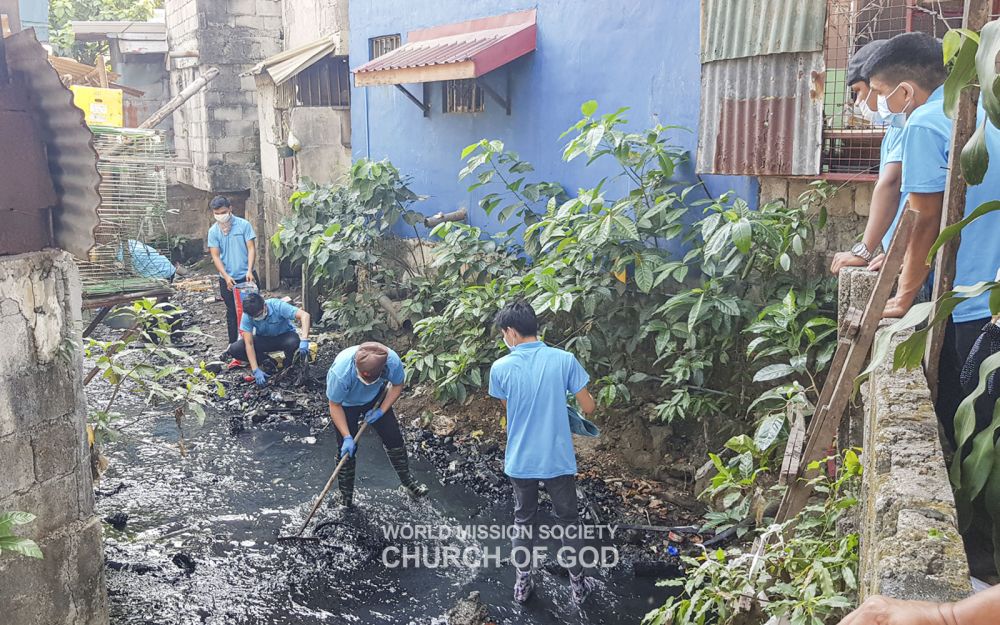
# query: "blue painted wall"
[641,54]
[35,14]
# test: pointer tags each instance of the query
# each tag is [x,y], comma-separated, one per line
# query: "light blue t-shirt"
[343,386]
[147,262]
[280,316]
[892,152]
[979,251]
[233,246]
[926,140]
[534,379]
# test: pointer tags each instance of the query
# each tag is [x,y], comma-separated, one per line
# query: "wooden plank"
[977,14]
[793,450]
[827,419]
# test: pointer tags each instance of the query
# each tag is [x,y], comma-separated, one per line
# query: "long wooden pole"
[977,14]
[175,103]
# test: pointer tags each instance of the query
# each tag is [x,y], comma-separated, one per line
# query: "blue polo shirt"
[343,386]
[979,251]
[233,246]
[279,319]
[926,140]
[534,379]
[892,152]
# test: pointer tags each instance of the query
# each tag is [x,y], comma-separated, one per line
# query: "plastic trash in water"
[673,551]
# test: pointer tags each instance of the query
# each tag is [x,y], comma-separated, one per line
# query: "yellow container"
[101,107]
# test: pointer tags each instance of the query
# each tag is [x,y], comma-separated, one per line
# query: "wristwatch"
[861,251]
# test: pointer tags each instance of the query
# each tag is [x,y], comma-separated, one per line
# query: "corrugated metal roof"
[96,30]
[762,115]
[289,63]
[71,156]
[483,44]
[73,72]
[732,29]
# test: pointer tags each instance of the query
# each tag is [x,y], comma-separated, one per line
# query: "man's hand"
[373,415]
[880,610]
[304,347]
[846,259]
[230,283]
[877,263]
[348,447]
[260,377]
[895,308]
[250,276]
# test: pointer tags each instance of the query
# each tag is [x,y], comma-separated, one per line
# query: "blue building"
[542,59]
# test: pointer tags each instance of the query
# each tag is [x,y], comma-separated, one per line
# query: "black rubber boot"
[345,482]
[399,461]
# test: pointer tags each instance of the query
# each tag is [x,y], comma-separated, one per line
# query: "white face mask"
[223,218]
[366,382]
[896,120]
[504,337]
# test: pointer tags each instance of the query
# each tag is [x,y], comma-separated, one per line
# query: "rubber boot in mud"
[581,586]
[524,586]
[399,461]
[345,482]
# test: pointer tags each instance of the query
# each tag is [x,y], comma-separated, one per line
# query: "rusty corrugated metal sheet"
[71,157]
[733,29]
[762,115]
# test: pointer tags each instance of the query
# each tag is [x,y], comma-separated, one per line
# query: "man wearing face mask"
[908,75]
[231,244]
[887,201]
[353,386]
[267,326]
[532,383]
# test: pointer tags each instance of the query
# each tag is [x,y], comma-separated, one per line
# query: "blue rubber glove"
[260,377]
[304,347]
[374,415]
[348,447]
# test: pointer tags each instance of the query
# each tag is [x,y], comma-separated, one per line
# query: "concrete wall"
[46,461]
[308,20]
[910,545]
[147,73]
[641,55]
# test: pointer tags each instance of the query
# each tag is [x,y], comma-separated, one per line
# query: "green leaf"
[955,229]
[950,44]
[960,77]
[588,108]
[16,518]
[975,158]
[742,235]
[773,372]
[785,261]
[643,275]
[986,68]
[23,546]
[769,431]
[469,149]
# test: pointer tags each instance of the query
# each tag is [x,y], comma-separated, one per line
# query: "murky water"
[200,542]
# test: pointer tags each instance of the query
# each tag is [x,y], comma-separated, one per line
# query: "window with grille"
[377,46]
[326,83]
[851,146]
[462,96]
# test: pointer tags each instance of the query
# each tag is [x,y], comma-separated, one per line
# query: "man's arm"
[251,351]
[339,419]
[586,401]
[883,209]
[915,269]
[217,261]
[979,609]
[395,390]
[305,319]
[251,257]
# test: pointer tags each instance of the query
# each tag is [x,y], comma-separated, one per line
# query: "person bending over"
[267,326]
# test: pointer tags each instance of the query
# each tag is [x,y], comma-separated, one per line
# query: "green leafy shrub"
[12,542]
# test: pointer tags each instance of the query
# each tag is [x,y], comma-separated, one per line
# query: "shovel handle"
[329,482]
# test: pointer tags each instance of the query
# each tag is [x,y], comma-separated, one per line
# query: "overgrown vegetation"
[11,542]
[62,12]
[807,573]
[145,362]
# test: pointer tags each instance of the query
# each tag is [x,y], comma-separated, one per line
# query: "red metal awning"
[453,51]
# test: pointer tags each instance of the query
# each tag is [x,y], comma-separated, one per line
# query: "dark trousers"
[392,439]
[562,492]
[232,323]
[958,341]
[287,343]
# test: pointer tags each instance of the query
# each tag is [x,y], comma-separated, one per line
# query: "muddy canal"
[197,538]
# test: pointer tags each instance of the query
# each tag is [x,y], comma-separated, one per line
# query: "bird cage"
[133,211]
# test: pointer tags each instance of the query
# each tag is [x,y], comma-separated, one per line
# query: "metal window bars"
[851,146]
[132,164]
[377,46]
[462,96]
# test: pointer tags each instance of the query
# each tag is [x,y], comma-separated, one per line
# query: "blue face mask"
[896,120]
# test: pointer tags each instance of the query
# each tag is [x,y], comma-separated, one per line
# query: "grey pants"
[562,492]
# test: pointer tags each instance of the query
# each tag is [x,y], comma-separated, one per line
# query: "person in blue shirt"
[267,326]
[231,244]
[354,385]
[532,383]
[887,202]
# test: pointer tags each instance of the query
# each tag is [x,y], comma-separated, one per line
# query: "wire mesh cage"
[131,251]
[850,144]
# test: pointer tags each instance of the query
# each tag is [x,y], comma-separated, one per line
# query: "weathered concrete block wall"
[308,20]
[910,545]
[43,448]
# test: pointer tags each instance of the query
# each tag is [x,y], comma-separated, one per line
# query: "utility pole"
[977,14]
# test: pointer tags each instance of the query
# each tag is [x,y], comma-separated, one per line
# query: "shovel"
[333,476]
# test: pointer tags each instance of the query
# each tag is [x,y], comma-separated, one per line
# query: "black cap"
[856,66]
[219,202]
